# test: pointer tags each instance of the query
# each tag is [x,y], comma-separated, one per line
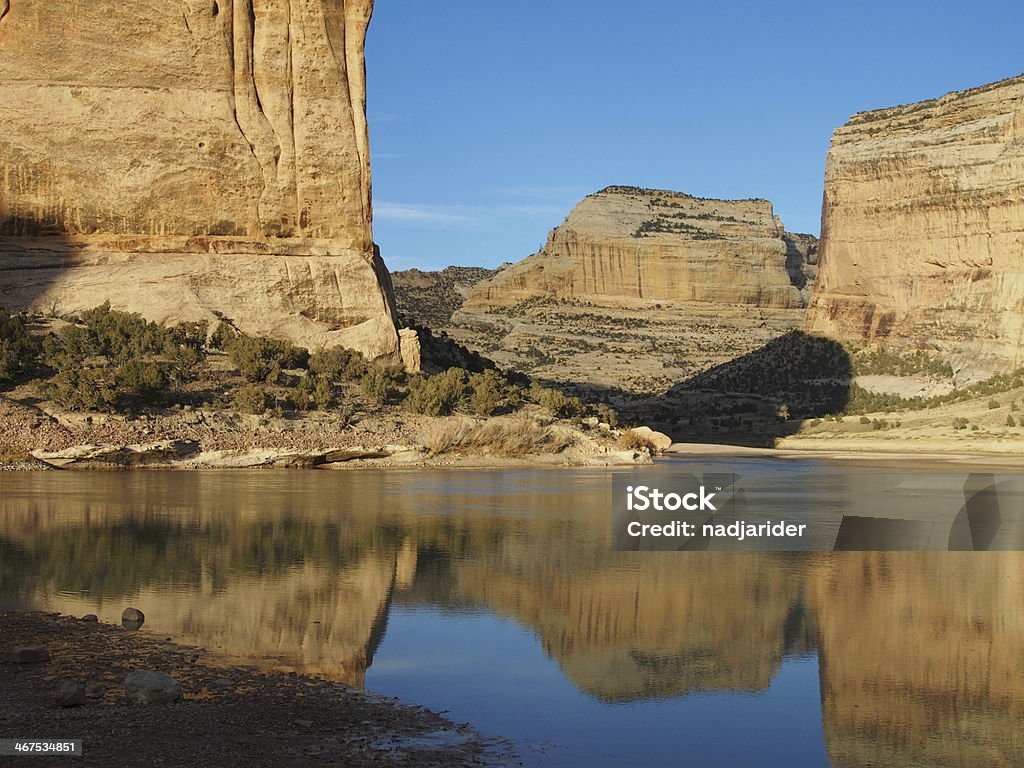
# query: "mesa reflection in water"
[920,654]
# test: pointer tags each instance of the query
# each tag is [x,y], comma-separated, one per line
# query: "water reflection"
[919,654]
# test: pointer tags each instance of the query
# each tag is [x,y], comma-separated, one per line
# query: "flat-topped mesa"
[192,160]
[626,243]
[923,229]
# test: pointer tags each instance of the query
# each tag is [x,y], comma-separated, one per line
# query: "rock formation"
[923,229]
[640,289]
[654,245]
[191,160]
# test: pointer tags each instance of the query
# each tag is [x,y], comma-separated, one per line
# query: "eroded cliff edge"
[191,160]
[922,242]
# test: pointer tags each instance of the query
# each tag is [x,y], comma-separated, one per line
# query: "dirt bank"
[231,716]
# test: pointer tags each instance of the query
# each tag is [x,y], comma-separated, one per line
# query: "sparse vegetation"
[436,395]
[253,399]
[500,436]
[634,441]
[881,361]
[259,358]
[17,348]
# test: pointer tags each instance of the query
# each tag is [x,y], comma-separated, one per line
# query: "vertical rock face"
[923,228]
[192,158]
[630,243]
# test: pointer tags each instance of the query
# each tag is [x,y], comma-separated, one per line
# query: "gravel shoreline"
[230,716]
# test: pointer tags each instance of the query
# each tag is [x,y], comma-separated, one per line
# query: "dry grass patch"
[11,455]
[634,441]
[502,436]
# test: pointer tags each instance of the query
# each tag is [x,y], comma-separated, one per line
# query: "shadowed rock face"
[922,225]
[630,243]
[190,158]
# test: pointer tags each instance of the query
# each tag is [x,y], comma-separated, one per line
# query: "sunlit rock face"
[922,241]
[192,158]
[640,244]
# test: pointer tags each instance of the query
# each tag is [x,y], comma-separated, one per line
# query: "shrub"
[312,391]
[865,420]
[379,384]
[191,335]
[259,358]
[123,336]
[252,398]
[557,404]
[339,364]
[436,395]
[70,348]
[487,392]
[186,364]
[141,378]
[993,404]
[80,389]
[1010,421]
[222,336]
[18,349]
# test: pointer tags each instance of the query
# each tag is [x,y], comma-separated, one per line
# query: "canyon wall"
[192,160]
[922,242]
[626,243]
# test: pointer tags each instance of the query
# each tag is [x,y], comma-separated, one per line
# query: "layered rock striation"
[192,159]
[626,243]
[923,229]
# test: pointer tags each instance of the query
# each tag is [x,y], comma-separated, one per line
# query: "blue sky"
[490,120]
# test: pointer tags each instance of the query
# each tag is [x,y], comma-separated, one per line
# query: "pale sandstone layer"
[923,229]
[631,243]
[192,160]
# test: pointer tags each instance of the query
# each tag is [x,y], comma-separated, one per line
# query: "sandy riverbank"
[230,716]
[851,451]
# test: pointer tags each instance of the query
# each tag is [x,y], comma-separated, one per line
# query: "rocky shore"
[227,716]
[34,439]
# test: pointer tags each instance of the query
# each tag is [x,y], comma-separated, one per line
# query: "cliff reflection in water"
[920,654]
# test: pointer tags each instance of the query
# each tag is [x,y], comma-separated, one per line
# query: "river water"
[495,596]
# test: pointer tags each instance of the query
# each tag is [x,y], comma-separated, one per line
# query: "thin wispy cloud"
[459,215]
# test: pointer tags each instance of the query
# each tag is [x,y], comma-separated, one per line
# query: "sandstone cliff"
[192,159]
[923,229]
[630,243]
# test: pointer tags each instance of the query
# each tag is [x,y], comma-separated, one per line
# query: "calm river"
[494,595]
